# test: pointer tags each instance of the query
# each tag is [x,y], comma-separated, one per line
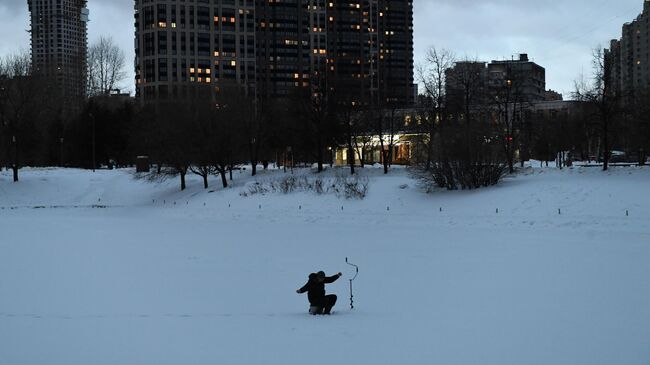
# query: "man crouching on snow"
[315,288]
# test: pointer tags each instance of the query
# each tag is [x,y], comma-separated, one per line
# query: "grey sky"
[557,34]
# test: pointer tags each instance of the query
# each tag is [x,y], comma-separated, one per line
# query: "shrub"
[352,187]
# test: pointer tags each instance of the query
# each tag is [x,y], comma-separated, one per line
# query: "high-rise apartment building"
[394,46]
[275,49]
[628,59]
[291,49]
[196,46]
[60,46]
[363,48]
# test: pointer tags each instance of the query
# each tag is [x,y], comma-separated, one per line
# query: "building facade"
[527,76]
[478,83]
[185,48]
[276,48]
[628,59]
[59,46]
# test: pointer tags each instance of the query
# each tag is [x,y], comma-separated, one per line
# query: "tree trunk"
[605,147]
[15,170]
[319,155]
[642,157]
[224,181]
[253,152]
[230,171]
[362,160]
[386,157]
[183,186]
[205,181]
[510,158]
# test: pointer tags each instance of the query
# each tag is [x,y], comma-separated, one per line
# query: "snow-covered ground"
[560,275]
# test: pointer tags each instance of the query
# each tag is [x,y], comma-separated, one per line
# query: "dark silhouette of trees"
[24,111]
[605,100]
[433,76]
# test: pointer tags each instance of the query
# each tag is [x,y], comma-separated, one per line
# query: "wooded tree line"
[213,136]
[203,135]
[465,139]
[478,130]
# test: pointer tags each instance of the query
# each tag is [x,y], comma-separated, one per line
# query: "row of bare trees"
[208,136]
[483,121]
[33,120]
[25,113]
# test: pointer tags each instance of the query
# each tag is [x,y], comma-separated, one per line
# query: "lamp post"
[15,157]
[61,152]
[93,127]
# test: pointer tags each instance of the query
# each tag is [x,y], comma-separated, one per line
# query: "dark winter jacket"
[315,289]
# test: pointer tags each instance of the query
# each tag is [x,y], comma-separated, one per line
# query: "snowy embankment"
[156,276]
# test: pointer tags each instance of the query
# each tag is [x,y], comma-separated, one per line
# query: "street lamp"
[61,151]
[93,121]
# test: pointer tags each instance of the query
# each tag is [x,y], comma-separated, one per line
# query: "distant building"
[114,100]
[552,95]
[530,77]
[628,59]
[476,82]
[466,83]
[60,46]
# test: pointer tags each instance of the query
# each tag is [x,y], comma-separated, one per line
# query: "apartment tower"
[185,48]
[60,46]
[276,49]
[628,59]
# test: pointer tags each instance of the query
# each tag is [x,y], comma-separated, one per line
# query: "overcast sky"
[557,34]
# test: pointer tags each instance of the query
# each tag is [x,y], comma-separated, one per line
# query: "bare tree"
[433,76]
[603,97]
[226,140]
[168,141]
[315,120]
[509,102]
[20,106]
[106,64]
[201,127]
[364,140]
[388,123]
[256,118]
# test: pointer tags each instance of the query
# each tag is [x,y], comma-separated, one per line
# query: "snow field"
[141,282]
